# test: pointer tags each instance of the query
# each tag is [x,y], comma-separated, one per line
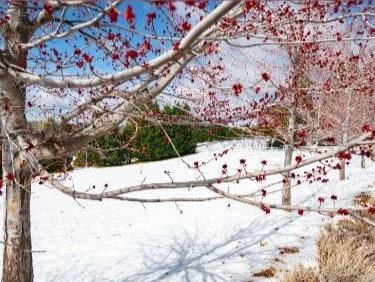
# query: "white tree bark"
[363,161]
[289,147]
[345,129]
[287,182]
[17,256]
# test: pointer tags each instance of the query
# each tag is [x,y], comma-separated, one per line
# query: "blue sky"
[162,26]
[64,48]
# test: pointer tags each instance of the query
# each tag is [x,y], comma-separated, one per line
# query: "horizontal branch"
[206,182]
[299,42]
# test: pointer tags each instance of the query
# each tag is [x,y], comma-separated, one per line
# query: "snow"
[208,241]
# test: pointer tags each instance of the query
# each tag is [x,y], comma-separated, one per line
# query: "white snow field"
[209,241]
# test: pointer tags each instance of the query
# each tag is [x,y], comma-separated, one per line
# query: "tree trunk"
[363,161]
[289,147]
[342,170]
[17,256]
[287,183]
[342,175]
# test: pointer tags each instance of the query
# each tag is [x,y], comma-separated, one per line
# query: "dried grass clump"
[366,200]
[346,252]
[288,250]
[268,273]
[301,274]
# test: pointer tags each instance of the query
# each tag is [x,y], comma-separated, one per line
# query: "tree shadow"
[193,256]
[77,268]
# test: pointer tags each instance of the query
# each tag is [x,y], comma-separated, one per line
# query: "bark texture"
[342,175]
[17,255]
[363,161]
[289,148]
[287,182]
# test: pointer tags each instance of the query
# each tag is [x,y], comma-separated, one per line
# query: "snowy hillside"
[207,241]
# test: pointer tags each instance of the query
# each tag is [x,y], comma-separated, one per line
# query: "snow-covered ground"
[208,241]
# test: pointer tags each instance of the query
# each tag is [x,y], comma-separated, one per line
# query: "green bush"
[107,150]
[153,144]
[149,144]
[57,165]
[275,144]
[214,133]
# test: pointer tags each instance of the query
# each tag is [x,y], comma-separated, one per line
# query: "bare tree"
[346,99]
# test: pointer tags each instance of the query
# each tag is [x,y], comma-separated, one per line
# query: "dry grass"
[346,251]
[288,250]
[268,273]
[301,274]
[364,198]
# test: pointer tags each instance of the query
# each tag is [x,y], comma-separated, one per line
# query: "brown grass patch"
[288,250]
[347,252]
[268,273]
[364,198]
[301,274]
